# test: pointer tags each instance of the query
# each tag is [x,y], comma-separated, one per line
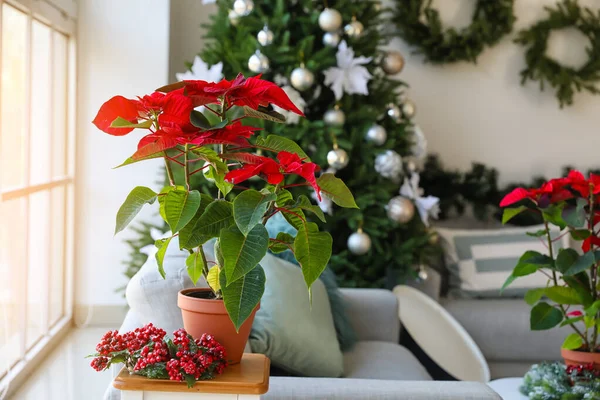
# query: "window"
[37,69]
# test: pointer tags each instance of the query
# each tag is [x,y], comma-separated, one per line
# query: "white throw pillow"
[480,261]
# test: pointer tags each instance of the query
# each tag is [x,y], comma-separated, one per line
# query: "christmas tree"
[329,59]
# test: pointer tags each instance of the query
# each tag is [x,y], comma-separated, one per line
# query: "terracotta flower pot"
[204,315]
[581,358]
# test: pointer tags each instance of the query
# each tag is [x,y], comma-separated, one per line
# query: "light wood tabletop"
[250,376]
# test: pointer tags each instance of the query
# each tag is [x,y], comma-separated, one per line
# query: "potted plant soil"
[569,206]
[220,144]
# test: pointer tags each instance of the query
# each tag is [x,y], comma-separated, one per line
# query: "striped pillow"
[480,261]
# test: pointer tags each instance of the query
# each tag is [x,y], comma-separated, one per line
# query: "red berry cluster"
[201,359]
[145,347]
[99,363]
[582,369]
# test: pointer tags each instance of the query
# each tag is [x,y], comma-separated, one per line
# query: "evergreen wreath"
[565,80]
[420,25]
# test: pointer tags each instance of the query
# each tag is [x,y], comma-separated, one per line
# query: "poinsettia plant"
[569,206]
[218,144]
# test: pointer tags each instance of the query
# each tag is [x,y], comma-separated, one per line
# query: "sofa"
[377,367]
[500,327]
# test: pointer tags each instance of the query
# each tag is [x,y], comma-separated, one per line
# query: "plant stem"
[169,170]
[204,264]
[594,273]
[185,168]
[555,279]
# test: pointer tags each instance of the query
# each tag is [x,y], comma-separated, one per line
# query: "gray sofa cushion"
[383,360]
[365,389]
[373,314]
[500,327]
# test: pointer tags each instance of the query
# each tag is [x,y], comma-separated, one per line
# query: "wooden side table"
[244,381]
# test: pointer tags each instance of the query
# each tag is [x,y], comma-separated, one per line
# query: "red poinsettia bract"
[167,115]
[272,171]
[251,92]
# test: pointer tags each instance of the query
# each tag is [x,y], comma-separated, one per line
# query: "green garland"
[420,25]
[565,80]
[550,381]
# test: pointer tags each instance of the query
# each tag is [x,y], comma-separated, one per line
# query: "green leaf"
[537,234]
[295,217]
[199,120]
[242,253]
[565,259]
[589,321]
[190,380]
[573,342]
[510,213]
[277,143]
[213,278]
[571,321]
[544,316]
[217,216]
[133,205]
[264,113]
[211,157]
[304,203]
[534,295]
[580,234]
[583,263]
[593,309]
[312,250]
[242,296]
[219,253]
[249,208]
[283,242]
[580,283]
[562,295]
[131,160]
[336,190]
[179,207]
[511,278]
[162,245]
[285,198]
[123,123]
[575,216]
[195,266]
[219,180]
[553,215]
[189,236]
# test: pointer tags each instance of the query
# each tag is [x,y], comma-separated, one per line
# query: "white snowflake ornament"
[350,76]
[296,98]
[200,71]
[428,207]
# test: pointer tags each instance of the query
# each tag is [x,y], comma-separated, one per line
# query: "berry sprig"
[146,351]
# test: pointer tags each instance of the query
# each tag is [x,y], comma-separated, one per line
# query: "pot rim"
[580,354]
[204,306]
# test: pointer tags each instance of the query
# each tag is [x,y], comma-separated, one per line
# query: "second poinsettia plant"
[218,144]
[569,206]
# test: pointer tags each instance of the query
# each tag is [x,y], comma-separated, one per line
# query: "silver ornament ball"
[392,63]
[258,63]
[330,20]
[394,112]
[400,209]
[389,165]
[302,78]
[408,109]
[334,117]
[234,18]
[354,29]
[359,243]
[338,158]
[376,134]
[331,39]
[265,37]
[243,7]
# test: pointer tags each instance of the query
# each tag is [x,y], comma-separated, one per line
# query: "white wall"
[482,113]
[123,49]
[186,33]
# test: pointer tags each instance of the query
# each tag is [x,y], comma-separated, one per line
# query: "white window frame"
[60,16]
